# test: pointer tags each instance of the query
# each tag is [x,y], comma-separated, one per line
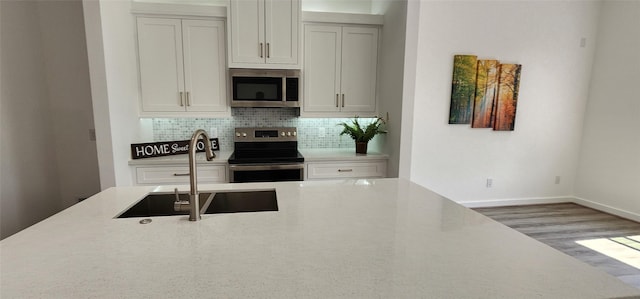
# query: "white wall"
[111,46]
[390,76]
[48,161]
[2,123]
[543,36]
[609,171]
[409,88]
[67,77]
[30,190]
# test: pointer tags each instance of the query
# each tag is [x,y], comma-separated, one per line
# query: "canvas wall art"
[507,97]
[486,93]
[463,87]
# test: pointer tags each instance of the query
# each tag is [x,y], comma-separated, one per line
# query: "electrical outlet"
[489,182]
[322,132]
[557,179]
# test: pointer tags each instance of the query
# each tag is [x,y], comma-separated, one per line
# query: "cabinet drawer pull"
[181,174]
[345,170]
[337,100]
[343,100]
[181,99]
[261,50]
[188,99]
[268,51]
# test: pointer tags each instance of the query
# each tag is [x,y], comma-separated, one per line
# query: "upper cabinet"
[264,33]
[182,67]
[340,64]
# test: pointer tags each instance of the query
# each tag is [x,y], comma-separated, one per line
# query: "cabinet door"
[338,170]
[322,68]
[247,42]
[204,65]
[359,62]
[165,175]
[281,31]
[160,64]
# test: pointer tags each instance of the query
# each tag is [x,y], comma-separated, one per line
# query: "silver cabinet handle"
[261,50]
[268,51]
[343,100]
[181,99]
[181,174]
[188,99]
[337,100]
[345,170]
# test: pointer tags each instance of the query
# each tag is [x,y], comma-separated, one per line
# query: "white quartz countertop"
[338,154]
[385,238]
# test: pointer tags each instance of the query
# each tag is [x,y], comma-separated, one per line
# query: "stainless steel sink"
[161,204]
[243,201]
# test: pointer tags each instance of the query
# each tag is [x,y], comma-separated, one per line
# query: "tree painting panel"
[463,88]
[507,97]
[486,93]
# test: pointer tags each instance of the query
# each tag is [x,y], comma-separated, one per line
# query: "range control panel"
[266,134]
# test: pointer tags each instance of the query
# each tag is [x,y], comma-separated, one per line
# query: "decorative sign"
[168,148]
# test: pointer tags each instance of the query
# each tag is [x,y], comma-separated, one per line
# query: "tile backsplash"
[310,130]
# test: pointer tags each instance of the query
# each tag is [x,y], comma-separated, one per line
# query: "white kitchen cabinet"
[176,175]
[346,170]
[340,64]
[182,69]
[264,33]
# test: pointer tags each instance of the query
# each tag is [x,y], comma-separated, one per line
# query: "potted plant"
[362,134]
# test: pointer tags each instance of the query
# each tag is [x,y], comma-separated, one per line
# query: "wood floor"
[561,225]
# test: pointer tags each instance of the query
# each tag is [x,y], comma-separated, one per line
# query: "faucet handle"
[175,191]
[180,205]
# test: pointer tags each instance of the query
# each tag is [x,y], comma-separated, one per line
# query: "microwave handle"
[284,87]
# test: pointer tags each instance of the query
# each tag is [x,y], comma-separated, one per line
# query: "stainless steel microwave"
[264,88]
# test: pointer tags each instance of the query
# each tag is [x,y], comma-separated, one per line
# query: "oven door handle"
[265,167]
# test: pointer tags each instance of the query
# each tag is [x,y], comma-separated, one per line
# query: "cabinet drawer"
[179,175]
[373,169]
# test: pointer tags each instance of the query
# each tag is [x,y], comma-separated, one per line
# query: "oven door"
[243,173]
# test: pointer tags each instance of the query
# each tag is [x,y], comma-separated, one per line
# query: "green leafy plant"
[361,133]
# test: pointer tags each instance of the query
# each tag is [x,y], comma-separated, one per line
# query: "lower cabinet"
[344,170]
[208,174]
[170,175]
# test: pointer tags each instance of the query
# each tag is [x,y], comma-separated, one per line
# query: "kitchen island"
[385,238]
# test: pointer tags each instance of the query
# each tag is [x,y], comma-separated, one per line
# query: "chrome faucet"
[194,199]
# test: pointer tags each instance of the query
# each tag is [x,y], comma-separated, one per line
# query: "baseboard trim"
[607,209]
[515,202]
